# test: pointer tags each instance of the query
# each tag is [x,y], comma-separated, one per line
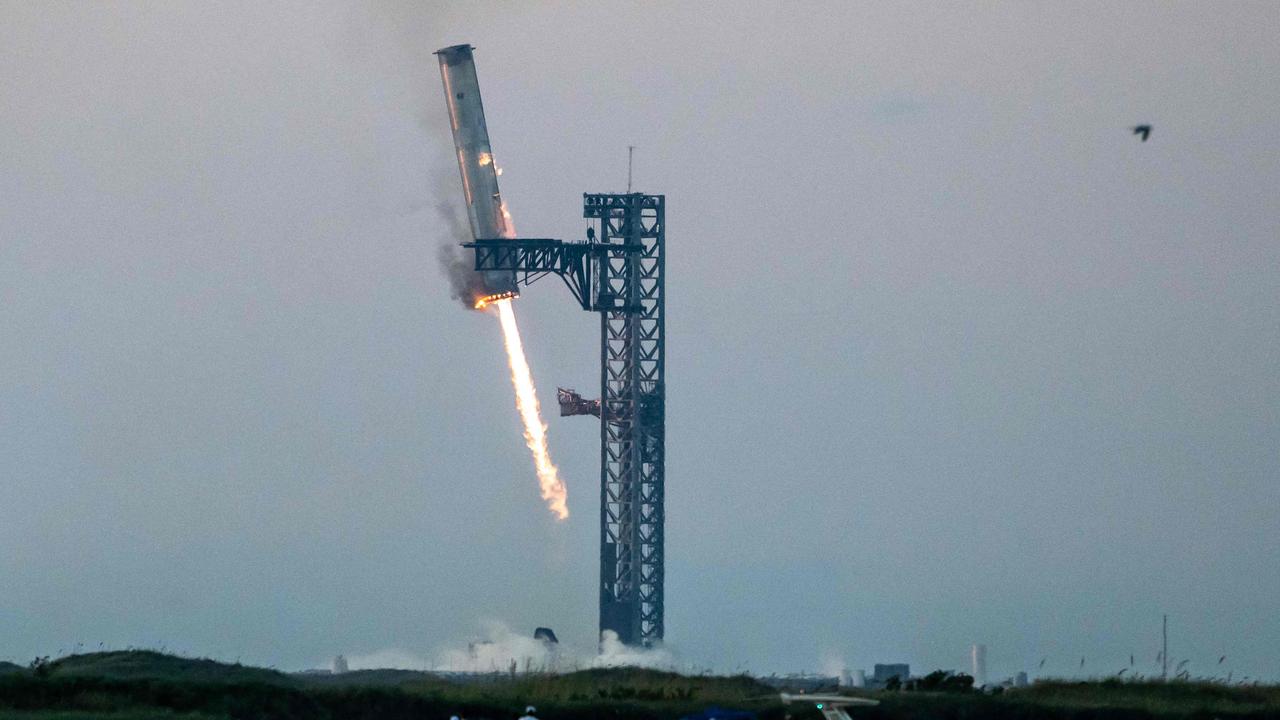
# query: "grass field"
[152,686]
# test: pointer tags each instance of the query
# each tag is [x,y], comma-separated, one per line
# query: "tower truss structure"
[617,272]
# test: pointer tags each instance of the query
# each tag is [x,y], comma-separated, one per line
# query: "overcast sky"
[953,357]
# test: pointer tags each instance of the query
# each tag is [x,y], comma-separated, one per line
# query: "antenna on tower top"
[631,149]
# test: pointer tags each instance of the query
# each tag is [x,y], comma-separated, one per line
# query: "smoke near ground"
[500,649]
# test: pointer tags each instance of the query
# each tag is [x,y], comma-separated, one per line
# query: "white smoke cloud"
[500,648]
[613,653]
[833,664]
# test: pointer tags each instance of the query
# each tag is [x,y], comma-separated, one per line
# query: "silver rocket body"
[476,164]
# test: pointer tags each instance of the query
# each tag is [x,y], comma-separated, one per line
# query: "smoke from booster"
[465,284]
[490,220]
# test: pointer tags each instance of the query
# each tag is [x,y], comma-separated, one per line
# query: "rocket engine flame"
[487,300]
[489,218]
[535,431]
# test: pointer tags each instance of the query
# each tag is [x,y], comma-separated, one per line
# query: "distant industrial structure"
[978,655]
[898,675]
[882,675]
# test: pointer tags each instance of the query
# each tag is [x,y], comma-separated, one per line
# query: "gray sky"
[954,358]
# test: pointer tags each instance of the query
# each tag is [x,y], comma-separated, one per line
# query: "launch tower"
[630,298]
[617,272]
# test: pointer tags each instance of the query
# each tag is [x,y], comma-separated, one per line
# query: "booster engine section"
[485,209]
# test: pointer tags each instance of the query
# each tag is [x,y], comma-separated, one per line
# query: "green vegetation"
[620,685]
[1157,698]
[1099,700]
[136,684]
[90,715]
[153,686]
[147,665]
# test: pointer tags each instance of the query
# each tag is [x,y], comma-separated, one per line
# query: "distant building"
[1020,680]
[979,656]
[881,674]
[859,679]
[339,665]
[802,682]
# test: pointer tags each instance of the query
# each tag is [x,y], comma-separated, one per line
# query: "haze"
[953,357]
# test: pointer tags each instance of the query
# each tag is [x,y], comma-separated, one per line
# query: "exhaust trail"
[489,220]
[535,431]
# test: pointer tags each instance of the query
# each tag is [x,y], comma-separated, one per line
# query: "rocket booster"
[485,210]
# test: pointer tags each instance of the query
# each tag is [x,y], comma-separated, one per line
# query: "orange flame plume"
[487,300]
[535,432]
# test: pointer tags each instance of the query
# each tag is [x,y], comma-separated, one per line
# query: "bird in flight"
[1143,130]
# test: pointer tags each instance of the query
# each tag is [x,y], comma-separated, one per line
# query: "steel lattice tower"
[629,242]
[617,272]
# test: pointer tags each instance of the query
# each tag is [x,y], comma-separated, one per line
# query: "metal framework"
[571,403]
[618,273]
[534,258]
